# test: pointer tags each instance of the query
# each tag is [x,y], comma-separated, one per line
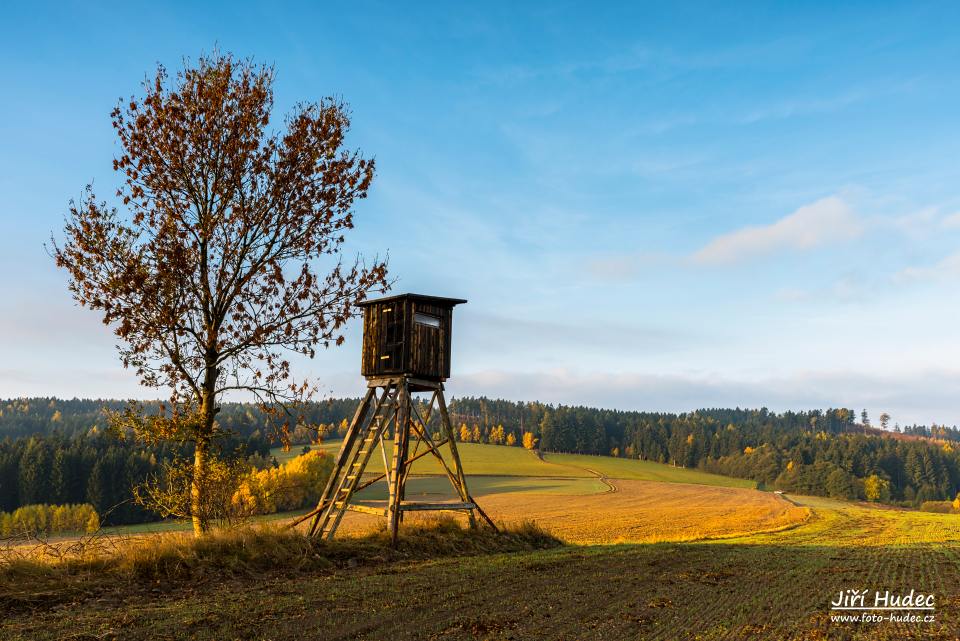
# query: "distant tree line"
[43,416]
[93,467]
[820,452]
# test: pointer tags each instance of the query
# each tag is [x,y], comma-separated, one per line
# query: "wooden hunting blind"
[409,335]
[406,350]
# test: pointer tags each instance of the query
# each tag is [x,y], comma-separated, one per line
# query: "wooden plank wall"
[430,346]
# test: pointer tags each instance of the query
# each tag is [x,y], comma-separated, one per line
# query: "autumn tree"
[227,254]
[529,440]
[884,421]
[876,488]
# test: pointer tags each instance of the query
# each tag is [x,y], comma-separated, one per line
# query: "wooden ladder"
[358,445]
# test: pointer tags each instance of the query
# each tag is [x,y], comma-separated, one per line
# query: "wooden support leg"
[457,465]
[400,438]
[405,466]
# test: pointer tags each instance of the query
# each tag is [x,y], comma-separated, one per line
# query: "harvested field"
[636,512]
[647,512]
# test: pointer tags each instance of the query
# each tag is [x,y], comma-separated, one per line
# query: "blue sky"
[656,207]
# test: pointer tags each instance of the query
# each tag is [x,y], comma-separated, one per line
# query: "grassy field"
[648,560]
[622,468]
[478,459]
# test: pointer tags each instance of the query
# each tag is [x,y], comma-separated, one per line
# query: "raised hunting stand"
[406,350]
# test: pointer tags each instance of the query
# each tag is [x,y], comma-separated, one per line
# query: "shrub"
[296,484]
[44,520]
[941,507]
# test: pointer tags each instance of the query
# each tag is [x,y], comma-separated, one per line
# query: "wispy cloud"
[801,107]
[535,338]
[847,288]
[825,221]
[947,267]
[624,268]
[951,221]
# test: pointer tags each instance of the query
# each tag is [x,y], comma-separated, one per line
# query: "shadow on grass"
[163,562]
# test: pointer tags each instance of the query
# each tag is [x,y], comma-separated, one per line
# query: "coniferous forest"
[60,452]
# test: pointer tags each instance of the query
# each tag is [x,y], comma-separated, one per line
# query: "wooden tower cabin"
[406,351]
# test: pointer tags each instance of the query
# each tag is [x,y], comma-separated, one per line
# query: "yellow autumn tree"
[295,484]
[93,523]
[511,439]
[41,519]
[464,433]
[876,488]
[529,440]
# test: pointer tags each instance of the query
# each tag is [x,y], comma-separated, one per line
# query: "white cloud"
[825,221]
[851,287]
[624,268]
[951,221]
[946,267]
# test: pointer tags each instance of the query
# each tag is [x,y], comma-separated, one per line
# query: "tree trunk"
[199,510]
[201,523]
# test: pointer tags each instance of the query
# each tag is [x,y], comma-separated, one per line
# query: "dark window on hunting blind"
[426,319]
[392,348]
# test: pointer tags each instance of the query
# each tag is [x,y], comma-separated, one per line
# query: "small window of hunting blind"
[408,335]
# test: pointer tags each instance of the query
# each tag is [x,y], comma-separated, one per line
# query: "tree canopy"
[227,254]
